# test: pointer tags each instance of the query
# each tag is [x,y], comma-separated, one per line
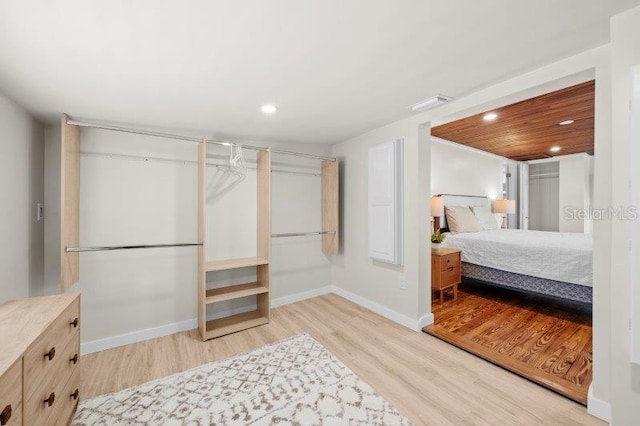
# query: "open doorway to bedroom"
[512,192]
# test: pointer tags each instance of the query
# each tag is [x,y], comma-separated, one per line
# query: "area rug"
[296,381]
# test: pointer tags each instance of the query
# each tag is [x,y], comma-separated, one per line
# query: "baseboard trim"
[389,314]
[597,407]
[425,321]
[177,327]
[153,332]
[297,297]
[136,336]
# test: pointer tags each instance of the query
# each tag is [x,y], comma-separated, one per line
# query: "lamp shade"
[437,206]
[504,206]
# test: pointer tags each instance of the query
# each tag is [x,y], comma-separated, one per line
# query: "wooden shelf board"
[234,292]
[234,323]
[221,265]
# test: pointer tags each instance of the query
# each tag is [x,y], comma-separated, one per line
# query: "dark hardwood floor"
[546,341]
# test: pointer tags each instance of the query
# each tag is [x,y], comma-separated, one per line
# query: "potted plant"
[436,240]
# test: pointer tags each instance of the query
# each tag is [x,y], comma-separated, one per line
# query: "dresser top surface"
[444,251]
[23,320]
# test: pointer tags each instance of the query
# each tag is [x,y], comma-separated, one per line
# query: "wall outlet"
[403,282]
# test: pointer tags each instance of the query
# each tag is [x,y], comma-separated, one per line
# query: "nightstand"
[446,271]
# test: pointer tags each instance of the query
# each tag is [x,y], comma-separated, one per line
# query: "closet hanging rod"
[545,175]
[147,159]
[302,234]
[144,246]
[135,131]
[299,154]
[191,139]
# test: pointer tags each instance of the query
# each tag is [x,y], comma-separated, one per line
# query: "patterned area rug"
[296,381]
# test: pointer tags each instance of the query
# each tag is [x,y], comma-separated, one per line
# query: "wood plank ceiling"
[528,130]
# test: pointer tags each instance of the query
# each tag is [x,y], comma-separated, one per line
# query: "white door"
[385,202]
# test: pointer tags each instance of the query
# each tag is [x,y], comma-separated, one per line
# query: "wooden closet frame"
[70,232]
[70,203]
[260,288]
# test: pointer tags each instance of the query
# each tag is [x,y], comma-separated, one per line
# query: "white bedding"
[556,256]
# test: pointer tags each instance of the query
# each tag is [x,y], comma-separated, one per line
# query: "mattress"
[557,256]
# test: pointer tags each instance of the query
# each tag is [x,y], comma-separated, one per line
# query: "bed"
[553,264]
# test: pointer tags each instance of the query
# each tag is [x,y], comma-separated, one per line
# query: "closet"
[559,190]
[260,288]
[544,196]
[207,267]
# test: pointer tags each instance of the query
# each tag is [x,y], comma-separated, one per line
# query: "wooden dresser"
[39,360]
[446,271]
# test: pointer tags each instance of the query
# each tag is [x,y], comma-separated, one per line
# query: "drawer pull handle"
[74,323]
[5,416]
[74,360]
[50,354]
[52,398]
[75,394]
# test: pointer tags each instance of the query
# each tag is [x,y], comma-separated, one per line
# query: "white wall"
[21,186]
[52,204]
[625,376]
[575,191]
[355,272]
[457,169]
[132,201]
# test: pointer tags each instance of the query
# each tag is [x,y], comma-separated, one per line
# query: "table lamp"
[504,207]
[437,210]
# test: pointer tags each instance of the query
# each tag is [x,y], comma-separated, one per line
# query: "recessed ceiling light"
[554,149]
[430,103]
[566,122]
[268,109]
[490,116]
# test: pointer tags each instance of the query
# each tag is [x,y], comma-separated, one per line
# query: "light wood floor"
[547,341]
[428,380]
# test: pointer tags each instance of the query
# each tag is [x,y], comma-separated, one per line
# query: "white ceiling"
[334,68]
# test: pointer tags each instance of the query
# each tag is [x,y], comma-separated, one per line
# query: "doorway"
[501,333]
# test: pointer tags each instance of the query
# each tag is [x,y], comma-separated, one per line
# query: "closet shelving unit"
[259,288]
[70,226]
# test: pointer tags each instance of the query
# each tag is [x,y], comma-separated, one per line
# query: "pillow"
[461,219]
[486,218]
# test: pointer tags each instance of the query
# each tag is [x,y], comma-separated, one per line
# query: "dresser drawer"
[47,355]
[49,400]
[60,371]
[450,276]
[68,401]
[448,261]
[11,395]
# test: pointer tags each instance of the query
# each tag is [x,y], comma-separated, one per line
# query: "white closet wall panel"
[385,202]
[231,213]
[296,207]
[128,201]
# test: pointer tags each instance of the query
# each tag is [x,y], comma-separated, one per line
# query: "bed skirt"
[557,289]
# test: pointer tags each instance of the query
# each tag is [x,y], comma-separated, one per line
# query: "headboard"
[461,200]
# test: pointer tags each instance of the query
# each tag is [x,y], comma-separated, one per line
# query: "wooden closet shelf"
[221,265]
[234,292]
[234,323]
